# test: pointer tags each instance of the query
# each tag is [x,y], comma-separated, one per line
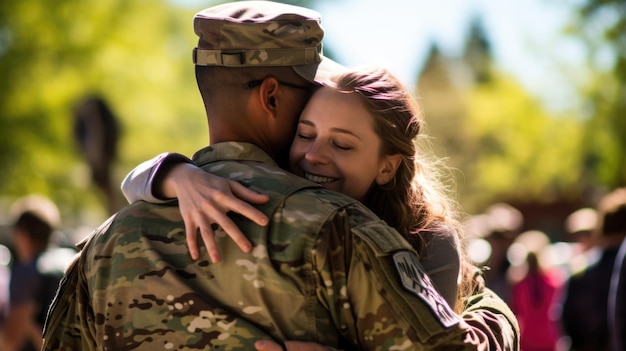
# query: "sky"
[525,36]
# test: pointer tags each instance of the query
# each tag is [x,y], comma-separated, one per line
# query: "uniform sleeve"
[69,325]
[442,262]
[137,185]
[492,324]
[380,296]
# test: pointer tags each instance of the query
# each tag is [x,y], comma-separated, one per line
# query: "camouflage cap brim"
[320,74]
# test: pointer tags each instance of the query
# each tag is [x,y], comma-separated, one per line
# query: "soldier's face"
[335,144]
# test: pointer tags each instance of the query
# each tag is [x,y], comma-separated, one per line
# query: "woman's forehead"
[334,110]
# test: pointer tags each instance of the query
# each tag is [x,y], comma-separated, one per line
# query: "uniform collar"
[231,151]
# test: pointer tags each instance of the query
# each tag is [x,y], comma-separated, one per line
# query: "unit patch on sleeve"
[415,280]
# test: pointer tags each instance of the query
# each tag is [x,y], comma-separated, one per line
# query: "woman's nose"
[317,153]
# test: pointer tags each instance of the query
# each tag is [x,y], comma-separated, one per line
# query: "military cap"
[263,33]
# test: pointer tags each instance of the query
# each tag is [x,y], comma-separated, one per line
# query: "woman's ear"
[388,167]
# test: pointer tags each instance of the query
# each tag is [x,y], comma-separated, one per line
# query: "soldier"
[324,269]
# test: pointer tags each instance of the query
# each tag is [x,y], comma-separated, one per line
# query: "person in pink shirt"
[533,297]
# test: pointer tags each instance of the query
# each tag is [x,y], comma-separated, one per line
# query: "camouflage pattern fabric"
[325,270]
[493,326]
[261,33]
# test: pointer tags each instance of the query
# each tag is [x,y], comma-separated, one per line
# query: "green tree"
[602,27]
[517,151]
[134,54]
[501,143]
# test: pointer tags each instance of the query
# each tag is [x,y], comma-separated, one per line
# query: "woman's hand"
[205,199]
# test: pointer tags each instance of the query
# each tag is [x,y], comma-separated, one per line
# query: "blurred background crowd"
[89,90]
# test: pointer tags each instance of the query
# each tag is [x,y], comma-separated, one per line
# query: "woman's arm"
[204,199]
[144,181]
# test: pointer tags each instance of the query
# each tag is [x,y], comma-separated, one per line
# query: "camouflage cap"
[263,33]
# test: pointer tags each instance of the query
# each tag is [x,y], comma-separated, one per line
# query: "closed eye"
[305,136]
[341,146]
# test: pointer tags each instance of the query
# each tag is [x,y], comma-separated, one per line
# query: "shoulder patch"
[417,282]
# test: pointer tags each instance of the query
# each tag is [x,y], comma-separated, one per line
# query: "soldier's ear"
[269,91]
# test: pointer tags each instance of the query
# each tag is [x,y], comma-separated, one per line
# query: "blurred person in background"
[477,247]
[5,275]
[33,281]
[579,227]
[535,289]
[617,298]
[584,316]
[504,223]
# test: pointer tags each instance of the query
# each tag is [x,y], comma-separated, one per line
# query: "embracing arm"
[204,199]
[383,299]
[378,293]
[490,326]
[144,181]
[492,323]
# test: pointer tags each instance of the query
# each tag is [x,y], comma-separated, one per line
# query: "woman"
[357,137]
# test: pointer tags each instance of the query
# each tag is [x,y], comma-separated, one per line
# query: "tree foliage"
[136,55]
[523,152]
[500,141]
[601,24]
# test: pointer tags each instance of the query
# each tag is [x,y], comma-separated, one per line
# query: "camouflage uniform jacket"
[325,270]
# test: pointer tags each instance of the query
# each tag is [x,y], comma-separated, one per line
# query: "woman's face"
[335,144]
